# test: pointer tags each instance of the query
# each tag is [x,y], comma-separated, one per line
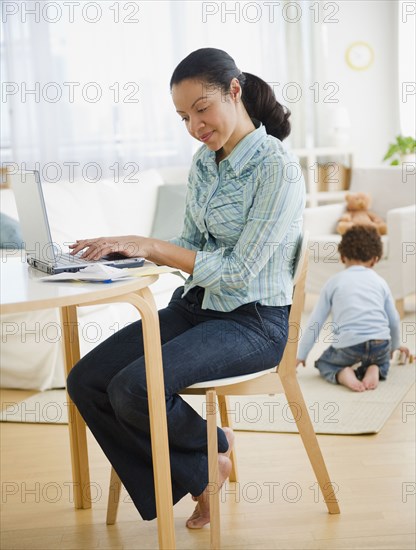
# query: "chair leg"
[213,475]
[300,413]
[113,498]
[226,422]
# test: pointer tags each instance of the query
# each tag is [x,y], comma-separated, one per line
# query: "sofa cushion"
[173,175]
[10,235]
[129,208]
[170,212]
[388,186]
[8,204]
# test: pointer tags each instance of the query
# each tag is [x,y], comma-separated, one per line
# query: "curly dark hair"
[362,243]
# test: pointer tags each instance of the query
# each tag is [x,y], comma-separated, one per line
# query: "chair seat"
[230,381]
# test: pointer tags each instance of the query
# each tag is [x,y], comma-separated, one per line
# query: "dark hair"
[217,68]
[362,243]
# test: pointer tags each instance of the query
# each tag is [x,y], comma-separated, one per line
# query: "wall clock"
[359,56]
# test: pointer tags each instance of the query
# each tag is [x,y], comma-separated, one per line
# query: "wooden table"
[22,291]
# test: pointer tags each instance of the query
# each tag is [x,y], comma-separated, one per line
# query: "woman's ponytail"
[260,103]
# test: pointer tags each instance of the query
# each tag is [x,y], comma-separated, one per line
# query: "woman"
[242,223]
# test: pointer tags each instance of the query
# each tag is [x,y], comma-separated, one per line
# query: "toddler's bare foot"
[347,378]
[200,516]
[371,377]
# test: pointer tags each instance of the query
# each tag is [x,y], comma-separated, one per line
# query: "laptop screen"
[32,216]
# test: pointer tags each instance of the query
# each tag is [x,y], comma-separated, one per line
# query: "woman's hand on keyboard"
[127,245]
[157,251]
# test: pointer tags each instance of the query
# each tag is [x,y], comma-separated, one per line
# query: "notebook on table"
[41,252]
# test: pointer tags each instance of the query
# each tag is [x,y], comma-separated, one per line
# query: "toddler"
[363,313]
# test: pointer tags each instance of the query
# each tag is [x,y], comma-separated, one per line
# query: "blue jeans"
[108,386]
[372,352]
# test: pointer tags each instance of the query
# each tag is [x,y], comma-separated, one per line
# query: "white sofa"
[31,356]
[393,198]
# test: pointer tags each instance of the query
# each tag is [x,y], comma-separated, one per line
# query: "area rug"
[333,409]
[47,407]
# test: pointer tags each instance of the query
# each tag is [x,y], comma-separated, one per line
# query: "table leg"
[76,424]
[144,302]
[158,424]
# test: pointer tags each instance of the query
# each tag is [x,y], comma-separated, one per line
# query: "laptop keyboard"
[65,259]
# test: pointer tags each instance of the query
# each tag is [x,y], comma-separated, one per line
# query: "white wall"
[407,67]
[371,96]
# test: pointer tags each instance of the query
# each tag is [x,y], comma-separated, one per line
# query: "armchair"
[393,197]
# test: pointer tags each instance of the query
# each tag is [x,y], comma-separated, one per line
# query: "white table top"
[21,289]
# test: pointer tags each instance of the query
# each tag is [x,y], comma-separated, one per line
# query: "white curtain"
[91,99]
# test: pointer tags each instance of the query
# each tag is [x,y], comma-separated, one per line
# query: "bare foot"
[347,378]
[371,377]
[200,516]
[229,434]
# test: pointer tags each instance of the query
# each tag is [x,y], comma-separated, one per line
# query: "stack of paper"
[106,274]
[95,273]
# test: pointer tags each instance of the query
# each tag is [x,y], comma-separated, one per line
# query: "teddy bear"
[357,213]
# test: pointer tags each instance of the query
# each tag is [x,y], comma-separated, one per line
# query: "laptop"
[41,252]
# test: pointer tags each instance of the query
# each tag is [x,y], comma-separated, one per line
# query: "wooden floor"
[275,504]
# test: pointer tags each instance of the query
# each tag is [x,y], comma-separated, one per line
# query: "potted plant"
[403,150]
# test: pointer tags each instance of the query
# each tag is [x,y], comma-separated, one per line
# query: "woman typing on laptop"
[243,220]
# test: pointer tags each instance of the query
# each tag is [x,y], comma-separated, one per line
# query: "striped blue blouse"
[244,219]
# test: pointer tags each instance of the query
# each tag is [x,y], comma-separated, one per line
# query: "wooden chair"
[281,379]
